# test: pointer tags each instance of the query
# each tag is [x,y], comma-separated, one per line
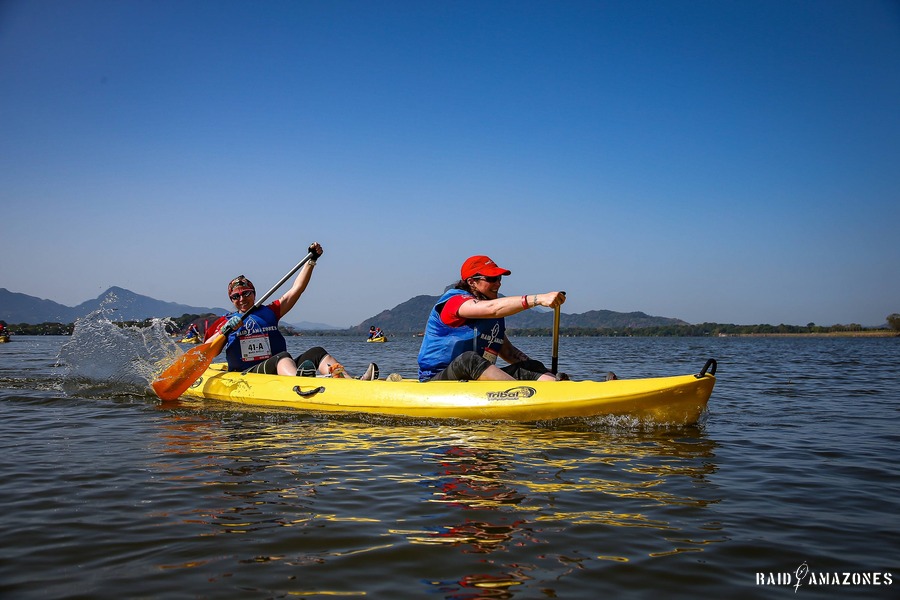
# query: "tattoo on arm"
[515,355]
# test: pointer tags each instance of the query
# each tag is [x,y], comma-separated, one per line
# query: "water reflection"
[229,502]
[483,489]
[527,483]
[473,587]
[473,479]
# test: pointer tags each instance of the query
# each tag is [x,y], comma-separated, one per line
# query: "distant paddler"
[376,335]
[192,331]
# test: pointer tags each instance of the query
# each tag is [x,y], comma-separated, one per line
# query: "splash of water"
[104,357]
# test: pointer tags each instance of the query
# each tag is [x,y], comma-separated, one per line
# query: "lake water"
[108,493]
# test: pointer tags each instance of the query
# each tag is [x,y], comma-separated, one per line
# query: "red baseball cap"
[481,265]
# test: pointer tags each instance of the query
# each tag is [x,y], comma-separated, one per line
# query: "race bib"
[490,356]
[255,347]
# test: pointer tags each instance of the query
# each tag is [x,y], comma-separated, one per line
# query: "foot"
[611,376]
[337,371]
[395,377]
[371,373]
[562,377]
[306,369]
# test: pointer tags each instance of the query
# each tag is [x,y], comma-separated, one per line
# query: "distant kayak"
[678,400]
[190,340]
[4,337]
[378,339]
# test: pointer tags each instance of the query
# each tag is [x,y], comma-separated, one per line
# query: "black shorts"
[527,370]
[315,355]
[469,366]
[270,365]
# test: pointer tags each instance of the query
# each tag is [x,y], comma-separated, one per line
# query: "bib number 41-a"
[255,347]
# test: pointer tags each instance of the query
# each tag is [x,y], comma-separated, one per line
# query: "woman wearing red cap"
[255,345]
[466,329]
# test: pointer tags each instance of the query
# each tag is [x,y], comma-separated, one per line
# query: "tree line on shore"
[702,330]
[175,325]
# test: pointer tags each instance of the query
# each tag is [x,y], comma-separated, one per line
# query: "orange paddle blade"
[179,376]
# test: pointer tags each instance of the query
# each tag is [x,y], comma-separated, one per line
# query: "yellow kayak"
[190,340]
[378,339]
[4,337]
[675,400]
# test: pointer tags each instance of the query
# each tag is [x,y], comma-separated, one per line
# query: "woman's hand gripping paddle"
[179,376]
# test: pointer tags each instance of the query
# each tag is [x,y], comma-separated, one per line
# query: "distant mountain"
[128,306]
[593,319]
[410,316]
[22,308]
[406,317]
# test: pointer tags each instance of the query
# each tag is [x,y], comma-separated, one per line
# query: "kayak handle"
[711,364]
[311,392]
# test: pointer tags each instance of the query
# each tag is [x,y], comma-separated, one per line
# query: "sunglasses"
[489,279]
[244,294]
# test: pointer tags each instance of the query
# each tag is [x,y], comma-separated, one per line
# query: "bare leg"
[286,366]
[493,373]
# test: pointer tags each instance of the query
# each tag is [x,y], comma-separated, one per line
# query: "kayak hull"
[677,400]
[377,340]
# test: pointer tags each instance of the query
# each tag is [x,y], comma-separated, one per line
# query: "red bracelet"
[524,301]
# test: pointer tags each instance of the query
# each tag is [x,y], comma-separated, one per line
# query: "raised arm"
[290,297]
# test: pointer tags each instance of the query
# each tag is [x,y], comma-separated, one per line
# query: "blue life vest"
[256,340]
[443,343]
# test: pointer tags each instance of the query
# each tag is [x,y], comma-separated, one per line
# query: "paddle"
[554,357]
[179,376]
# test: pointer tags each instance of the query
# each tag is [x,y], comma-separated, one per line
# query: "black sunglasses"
[244,294]
[489,279]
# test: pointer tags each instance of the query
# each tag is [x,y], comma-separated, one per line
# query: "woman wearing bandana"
[255,345]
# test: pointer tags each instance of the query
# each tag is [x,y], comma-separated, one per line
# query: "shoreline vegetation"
[176,325]
[867,333]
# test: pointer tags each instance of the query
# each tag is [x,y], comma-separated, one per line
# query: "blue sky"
[728,161]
